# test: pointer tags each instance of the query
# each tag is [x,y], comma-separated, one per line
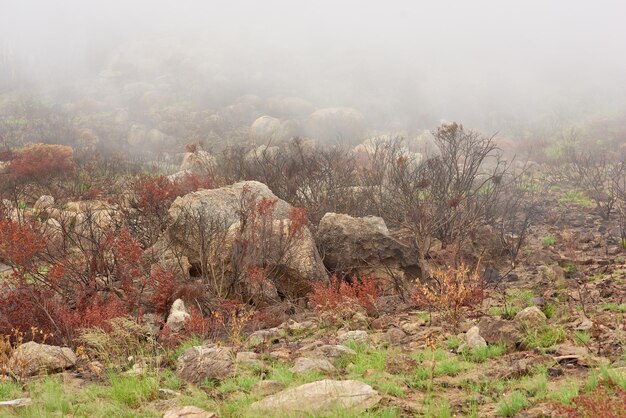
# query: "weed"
[614,307]
[481,354]
[548,240]
[565,393]
[548,310]
[577,198]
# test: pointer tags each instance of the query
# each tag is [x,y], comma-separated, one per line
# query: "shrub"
[344,294]
[450,291]
[38,162]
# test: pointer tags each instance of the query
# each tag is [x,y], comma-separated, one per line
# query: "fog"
[406,65]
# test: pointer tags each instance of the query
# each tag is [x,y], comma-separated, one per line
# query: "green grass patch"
[544,337]
[548,240]
[577,198]
[564,393]
[614,307]
[481,354]
[581,338]
[512,404]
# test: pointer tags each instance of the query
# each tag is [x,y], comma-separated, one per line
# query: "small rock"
[267,387]
[17,402]
[249,358]
[531,317]
[359,320]
[264,337]
[359,337]
[538,301]
[395,335]
[334,351]
[199,364]
[178,316]
[188,412]
[495,330]
[306,364]
[168,392]
[473,338]
[283,354]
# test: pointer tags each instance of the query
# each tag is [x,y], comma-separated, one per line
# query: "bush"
[338,295]
[603,401]
[450,291]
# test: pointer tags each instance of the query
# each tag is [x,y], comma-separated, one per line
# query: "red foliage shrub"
[19,244]
[327,297]
[156,193]
[163,285]
[605,402]
[42,161]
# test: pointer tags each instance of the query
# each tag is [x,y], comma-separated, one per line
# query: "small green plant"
[614,307]
[481,354]
[512,404]
[622,244]
[581,338]
[548,241]
[570,268]
[453,342]
[535,386]
[549,309]
[544,337]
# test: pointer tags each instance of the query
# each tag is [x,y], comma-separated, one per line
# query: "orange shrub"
[450,291]
[337,293]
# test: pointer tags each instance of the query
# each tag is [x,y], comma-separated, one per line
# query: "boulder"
[306,364]
[264,128]
[365,246]
[473,338]
[319,397]
[495,330]
[202,363]
[289,260]
[531,317]
[178,316]
[44,202]
[31,358]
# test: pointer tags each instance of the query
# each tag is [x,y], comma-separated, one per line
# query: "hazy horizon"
[404,65]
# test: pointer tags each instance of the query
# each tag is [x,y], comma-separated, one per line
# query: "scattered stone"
[31,358]
[359,337]
[395,335]
[44,202]
[267,387]
[306,364]
[188,412]
[17,402]
[334,351]
[249,358]
[473,338]
[282,354]
[264,337]
[168,392]
[320,397]
[199,364]
[531,317]
[178,316]
[495,330]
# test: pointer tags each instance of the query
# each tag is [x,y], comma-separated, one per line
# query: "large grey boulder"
[206,226]
[307,364]
[319,397]
[31,358]
[200,364]
[365,246]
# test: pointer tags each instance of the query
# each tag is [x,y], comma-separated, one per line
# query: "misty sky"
[449,59]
